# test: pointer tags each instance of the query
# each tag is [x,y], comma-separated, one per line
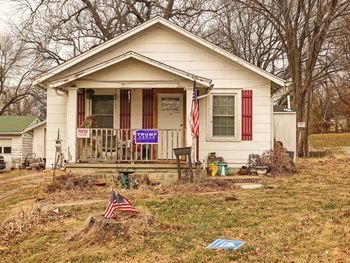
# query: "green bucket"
[223,169]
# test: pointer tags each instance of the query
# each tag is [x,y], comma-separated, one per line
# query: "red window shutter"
[81,109]
[147,109]
[125,109]
[247,115]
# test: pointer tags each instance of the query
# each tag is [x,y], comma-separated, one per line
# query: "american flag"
[119,203]
[195,113]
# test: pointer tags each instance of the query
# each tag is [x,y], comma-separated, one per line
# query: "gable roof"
[34,126]
[15,124]
[167,24]
[61,81]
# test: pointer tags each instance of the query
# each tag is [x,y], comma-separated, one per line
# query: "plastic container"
[223,169]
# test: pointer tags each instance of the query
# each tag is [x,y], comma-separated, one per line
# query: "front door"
[170,123]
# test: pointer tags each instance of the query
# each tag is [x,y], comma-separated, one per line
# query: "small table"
[183,151]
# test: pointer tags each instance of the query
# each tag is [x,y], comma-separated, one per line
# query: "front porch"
[120,146]
[116,99]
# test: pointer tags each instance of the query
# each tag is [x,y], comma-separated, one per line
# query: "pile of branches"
[278,161]
[68,182]
[23,221]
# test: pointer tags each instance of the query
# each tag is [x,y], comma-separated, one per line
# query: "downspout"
[207,94]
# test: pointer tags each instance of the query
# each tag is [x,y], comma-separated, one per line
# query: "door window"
[102,110]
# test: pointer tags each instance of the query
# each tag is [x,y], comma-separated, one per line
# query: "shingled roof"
[15,124]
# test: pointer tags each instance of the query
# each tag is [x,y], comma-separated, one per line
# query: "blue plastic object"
[226,244]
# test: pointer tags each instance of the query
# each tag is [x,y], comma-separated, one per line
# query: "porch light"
[89,94]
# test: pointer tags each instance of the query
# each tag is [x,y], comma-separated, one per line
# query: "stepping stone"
[248,186]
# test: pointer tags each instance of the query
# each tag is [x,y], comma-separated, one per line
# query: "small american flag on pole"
[195,113]
[119,203]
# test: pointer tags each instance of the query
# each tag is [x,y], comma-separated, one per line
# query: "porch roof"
[184,74]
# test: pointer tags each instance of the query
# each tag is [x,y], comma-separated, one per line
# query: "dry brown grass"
[303,218]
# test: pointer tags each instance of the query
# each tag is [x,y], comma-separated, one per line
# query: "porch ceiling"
[131,55]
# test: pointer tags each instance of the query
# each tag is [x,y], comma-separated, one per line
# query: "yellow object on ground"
[214,169]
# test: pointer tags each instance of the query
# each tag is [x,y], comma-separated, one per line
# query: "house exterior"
[16,141]
[284,128]
[137,89]
[38,131]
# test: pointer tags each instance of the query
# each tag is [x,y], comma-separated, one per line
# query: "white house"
[16,137]
[143,79]
[38,132]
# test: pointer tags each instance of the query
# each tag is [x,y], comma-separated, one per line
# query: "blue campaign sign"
[226,244]
[146,136]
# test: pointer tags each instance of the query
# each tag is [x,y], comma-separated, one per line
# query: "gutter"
[60,92]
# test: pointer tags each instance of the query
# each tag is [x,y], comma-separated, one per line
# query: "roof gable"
[126,56]
[166,24]
[15,124]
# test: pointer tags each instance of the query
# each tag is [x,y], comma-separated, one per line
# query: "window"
[7,149]
[0,149]
[223,116]
[102,110]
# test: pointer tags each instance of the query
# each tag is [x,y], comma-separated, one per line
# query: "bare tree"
[241,31]
[303,27]
[60,30]
[16,69]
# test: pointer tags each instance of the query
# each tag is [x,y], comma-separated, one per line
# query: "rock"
[248,186]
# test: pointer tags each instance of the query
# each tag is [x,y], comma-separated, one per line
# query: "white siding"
[27,144]
[284,129]
[174,50]
[17,148]
[56,119]
[39,141]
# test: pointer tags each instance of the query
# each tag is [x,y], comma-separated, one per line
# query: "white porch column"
[72,99]
[189,94]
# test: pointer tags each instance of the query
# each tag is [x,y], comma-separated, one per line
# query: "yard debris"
[278,161]
[243,170]
[99,230]
[68,182]
[22,221]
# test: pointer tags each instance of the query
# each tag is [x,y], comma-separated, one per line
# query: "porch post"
[189,94]
[71,124]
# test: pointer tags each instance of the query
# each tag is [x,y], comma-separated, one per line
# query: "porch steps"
[165,174]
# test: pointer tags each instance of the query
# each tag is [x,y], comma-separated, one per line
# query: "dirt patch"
[98,230]
[203,186]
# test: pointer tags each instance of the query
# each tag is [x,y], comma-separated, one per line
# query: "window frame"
[105,115]
[237,116]
[7,147]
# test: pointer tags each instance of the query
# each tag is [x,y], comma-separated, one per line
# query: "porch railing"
[118,145]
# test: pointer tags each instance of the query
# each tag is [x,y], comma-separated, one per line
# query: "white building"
[143,79]
[16,138]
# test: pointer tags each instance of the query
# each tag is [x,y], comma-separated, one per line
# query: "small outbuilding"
[284,128]
[16,137]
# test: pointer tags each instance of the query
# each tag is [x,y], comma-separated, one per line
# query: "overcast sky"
[5,14]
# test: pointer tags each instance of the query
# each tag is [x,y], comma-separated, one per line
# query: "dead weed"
[99,231]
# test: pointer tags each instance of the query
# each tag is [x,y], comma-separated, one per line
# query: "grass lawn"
[329,140]
[304,218]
